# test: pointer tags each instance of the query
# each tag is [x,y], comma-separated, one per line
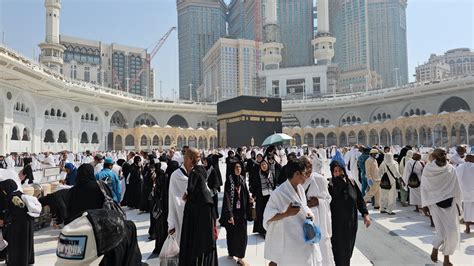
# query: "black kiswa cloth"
[108,227]
[198,244]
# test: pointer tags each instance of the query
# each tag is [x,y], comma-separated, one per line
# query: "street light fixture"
[190,91]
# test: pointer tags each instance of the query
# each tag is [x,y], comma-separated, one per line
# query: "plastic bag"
[170,248]
[312,233]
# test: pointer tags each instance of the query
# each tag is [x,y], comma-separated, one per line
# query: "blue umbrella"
[276,138]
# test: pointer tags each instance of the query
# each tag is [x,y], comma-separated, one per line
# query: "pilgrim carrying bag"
[109,203]
[413,180]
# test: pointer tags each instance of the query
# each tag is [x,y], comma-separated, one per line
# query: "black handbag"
[445,203]
[413,180]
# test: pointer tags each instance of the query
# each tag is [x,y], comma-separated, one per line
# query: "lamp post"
[396,76]
[190,91]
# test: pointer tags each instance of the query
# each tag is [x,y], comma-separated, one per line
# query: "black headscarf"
[8,186]
[335,164]
[85,174]
[172,166]
[208,159]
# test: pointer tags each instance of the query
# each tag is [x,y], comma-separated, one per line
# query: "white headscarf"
[389,160]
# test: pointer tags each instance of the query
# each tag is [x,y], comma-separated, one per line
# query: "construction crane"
[155,50]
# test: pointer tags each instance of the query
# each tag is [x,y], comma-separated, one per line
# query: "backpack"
[109,203]
[413,180]
[385,182]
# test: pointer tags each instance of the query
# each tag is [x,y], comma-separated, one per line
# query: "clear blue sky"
[434,26]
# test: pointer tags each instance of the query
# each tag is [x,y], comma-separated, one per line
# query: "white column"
[323,17]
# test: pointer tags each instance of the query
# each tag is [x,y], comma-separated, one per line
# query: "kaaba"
[247,120]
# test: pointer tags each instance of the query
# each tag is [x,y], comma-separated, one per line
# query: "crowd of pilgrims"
[276,188]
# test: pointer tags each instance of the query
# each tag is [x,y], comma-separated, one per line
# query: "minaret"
[271,56]
[323,42]
[51,49]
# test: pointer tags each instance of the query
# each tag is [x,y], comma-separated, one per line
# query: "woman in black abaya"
[18,226]
[134,188]
[234,213]
[212,183]
[160,201]
[346,201]
[262,184]
[148,173]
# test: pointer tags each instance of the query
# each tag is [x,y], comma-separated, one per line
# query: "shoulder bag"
[413,180]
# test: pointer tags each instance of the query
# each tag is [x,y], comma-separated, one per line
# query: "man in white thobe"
[354,154]
[177,191]
[319,200]
[465,173]
[283,218]
[10,160]
[49,160]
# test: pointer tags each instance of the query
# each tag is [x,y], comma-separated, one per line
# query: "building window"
[48,136]
[317,86]
[276,87]
[15,134]
[62,137]
[295,86]
[87,74]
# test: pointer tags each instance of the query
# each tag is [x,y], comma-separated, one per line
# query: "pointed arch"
[118,143]
[95,138]
[15,133]
[309,139]
[145,119]
[156,141]
[178,121]
[385,137]
[48,136]
[331,139]
[129,140]
[84,138]
[62,138]
[342,139]
[453,104]
[362,137]
[297,138]
[118,120]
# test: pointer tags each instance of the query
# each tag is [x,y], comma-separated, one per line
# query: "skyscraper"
[229,70]
[295,21]
[371,47]
[200,24]
[388,40]
[236,19]
[348,23]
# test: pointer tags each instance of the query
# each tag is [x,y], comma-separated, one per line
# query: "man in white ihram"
[177,192]
[283,218]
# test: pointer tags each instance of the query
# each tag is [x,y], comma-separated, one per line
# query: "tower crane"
[154,51]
